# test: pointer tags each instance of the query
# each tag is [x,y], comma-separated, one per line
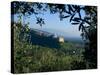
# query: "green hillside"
[30,57]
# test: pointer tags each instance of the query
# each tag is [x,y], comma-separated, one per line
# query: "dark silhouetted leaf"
[72,17]
[67,12]
[82,29]
[76,19]
[65,16]
[75,6]
[79,14]
[87,18]
[70,8]
[74,23]
[80,26]
[87,22]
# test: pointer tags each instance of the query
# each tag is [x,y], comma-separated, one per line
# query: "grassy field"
[30,57]
[35,58]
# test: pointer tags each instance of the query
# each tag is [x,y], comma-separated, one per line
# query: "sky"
[54,25]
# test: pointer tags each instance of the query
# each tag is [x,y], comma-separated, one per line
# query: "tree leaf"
[74,23]
[72,17]
[76,19]
[65,16]
[70,8]
[80,26]
[79,14]
[87,18]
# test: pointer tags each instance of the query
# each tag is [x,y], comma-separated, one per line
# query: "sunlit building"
[61,39]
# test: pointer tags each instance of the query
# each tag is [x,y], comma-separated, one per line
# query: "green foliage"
[36,58]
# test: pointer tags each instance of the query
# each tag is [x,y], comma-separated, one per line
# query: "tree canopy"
[87,24]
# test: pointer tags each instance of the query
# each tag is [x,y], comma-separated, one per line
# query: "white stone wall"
[61,39]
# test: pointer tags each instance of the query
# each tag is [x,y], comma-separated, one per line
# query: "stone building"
[61,39]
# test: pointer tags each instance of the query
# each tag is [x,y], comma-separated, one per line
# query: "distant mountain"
[42,32]
[43,38]
[59,33]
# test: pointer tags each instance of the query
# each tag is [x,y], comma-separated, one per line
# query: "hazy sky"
[53,24]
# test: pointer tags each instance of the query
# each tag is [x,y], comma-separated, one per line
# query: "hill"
[42,57]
